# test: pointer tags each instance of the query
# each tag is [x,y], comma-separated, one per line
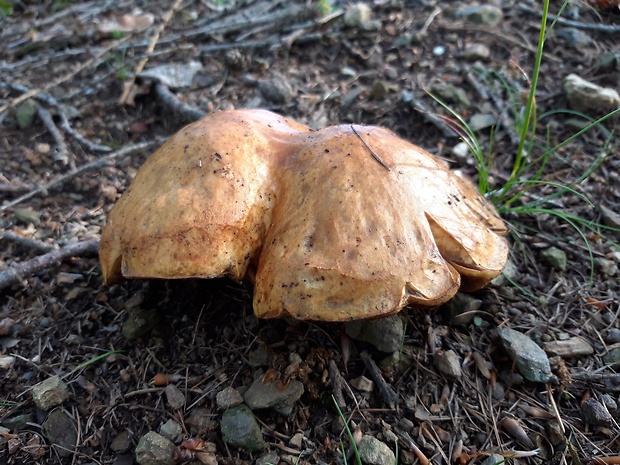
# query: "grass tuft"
[518,193]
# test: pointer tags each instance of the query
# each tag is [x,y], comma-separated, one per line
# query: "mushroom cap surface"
[344,223]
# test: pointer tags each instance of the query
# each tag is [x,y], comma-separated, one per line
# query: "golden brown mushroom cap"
[344,223]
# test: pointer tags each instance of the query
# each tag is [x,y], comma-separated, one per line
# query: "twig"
[64,78]
[389,395]
[336,381]
[61,152]
[89,166]
[372,152]
[171,101]
[90,146]
[17,272]
[609,28]
[606,460]
[64,120]
[411,444]
[26,241]
[127,97]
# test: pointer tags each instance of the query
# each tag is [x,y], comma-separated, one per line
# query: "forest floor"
[70,143]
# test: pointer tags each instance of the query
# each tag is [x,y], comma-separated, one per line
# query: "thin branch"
[172,102]
[609,28]
[17,272]
[127,96]
[89,166]
[61,152]
[47,99]
[90,146]
[64,78]
[389,395]
[26,241]
[372,152]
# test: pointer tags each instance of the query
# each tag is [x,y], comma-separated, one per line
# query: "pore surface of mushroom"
[343,223]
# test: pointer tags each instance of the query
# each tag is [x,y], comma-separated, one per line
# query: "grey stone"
[608,62]
[386,334]
[154,449]
[227,398]
[476,51]
[27,216]
[4,435]
[18,422]
[488,15]
[270,458]
[121,442]
[60,430]
[174,396]
[448,363]
[172,431]
[509,273]
[277,89]
[556,258]
[530,359]
[297,440]
[594,413]
[573,37]
[612,357]
[494,459]
[50,393]
[605,266]
[358,15]
[139,321]
[240,429]
[271,395]
[374,452]
[361,383]
[173,75]
[24,114]
[480,121]
[610,217]
[451,93]
[259,357]
[612,336]
[586,96]
[200,420]
[461,151]
[462,308]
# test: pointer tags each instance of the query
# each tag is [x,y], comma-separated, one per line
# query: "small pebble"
[612,336]
[227,398]
[362,383]
[374,452]
[50,393]
[605,266]
[296,440]
[154,449]
[594,413]
[477,51]
[174,396]
[171,430]
[449,363]
[439,50]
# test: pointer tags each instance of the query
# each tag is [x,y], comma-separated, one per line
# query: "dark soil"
[55,321]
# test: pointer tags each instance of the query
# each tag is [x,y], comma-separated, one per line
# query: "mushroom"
[344,223]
